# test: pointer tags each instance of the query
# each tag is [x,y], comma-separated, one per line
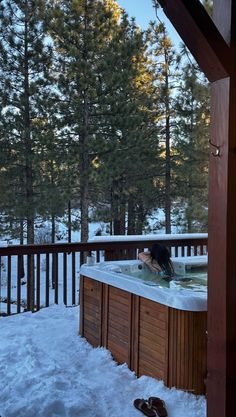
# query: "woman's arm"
[151,263]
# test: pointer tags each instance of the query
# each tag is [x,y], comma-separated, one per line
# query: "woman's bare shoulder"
[144,256]
[152,264]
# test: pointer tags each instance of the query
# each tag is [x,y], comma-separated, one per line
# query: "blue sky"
[143,11]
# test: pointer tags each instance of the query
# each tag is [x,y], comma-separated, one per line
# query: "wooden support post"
[221,380]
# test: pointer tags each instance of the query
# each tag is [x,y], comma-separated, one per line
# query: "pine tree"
[24,64]
[128,162]
[165,66]
[80,30]
[100,59]
[192,134]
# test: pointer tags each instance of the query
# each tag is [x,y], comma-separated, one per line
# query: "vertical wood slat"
[0,268]
[100,313]
[53,270]
[65,278]
[97,256]
[21,266]
[28,283]
[0,281]
[38,282]
[187,350]
[135,333]
[105,314]
[82,256]
[130,313]
[91,310]
[73,279]
[56,277]
[47,283]
[9,284]
[81,302]
[18,298]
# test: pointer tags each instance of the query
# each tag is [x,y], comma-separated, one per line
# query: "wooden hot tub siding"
[153,339]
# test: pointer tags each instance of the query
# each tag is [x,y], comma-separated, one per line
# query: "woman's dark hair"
[161,254]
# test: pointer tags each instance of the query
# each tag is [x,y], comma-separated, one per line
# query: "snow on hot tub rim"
[180,299]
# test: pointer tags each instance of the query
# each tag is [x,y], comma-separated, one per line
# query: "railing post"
[73,279]
[30,283]
[9,284]
[19,265]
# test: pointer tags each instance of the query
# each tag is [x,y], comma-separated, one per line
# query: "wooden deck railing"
[35,276]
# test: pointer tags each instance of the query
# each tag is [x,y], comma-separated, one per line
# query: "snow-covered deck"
[47,370]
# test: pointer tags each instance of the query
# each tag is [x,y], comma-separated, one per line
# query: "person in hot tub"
[158,261]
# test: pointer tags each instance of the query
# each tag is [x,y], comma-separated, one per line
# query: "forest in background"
[99,116]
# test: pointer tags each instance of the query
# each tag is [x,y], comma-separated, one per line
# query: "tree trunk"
[84,155]
[28,172]
[84,209]
[167,156]
[53,230]
[131,216]
[84,180]
[118,212]
[140,220]
[53,233]
[28,145]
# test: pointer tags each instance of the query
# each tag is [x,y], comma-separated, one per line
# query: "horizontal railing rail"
[35,276]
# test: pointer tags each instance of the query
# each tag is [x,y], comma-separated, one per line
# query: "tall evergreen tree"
[80,29]
[128,161]
[165,66]
[24,64]
[192,135]
[104,103]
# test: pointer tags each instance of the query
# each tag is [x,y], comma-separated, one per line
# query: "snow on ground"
[47,370]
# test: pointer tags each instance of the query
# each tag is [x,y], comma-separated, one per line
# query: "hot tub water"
[194,279]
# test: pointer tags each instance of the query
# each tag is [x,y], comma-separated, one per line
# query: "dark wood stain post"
[221,384]
[214,49]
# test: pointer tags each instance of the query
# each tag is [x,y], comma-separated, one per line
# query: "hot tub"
[158,328]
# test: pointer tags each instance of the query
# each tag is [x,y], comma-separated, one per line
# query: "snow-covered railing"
[186,244]
[35,276]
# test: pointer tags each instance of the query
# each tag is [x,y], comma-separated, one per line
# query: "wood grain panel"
[115,294]
[187,350]
[118,352]
[150,370]
[145,334]
[148,326]
[153,339]
[91,311]
[119,314]
[119,327]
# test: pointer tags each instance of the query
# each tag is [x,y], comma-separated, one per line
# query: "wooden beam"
[201,36]
[221,380]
